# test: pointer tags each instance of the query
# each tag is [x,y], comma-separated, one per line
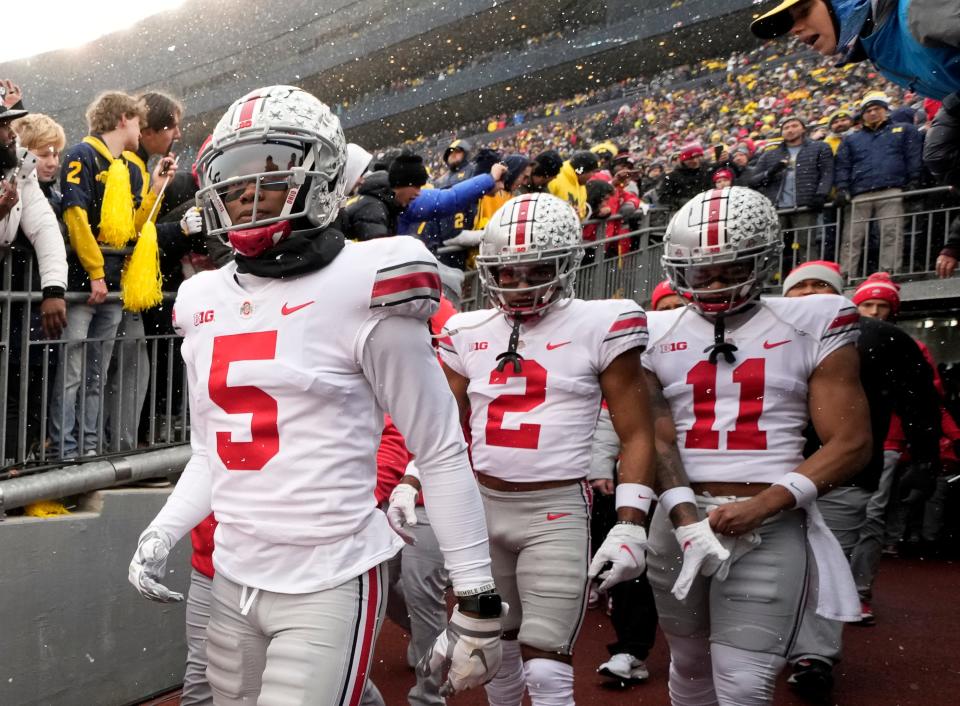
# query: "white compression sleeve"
[402,368]
[189,503]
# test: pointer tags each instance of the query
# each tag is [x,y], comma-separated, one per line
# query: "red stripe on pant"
[366,640]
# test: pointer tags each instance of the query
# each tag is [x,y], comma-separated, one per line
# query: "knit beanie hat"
[823,270]
[689,151]
[879,286]
[664,289]
[407,170]
[584,162]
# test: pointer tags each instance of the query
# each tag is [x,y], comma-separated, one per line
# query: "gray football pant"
[424,582]
[196,690]
[844,511]
[865,560]
[294,649]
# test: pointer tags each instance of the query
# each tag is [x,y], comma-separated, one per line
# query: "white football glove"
[703,554]
[402,511]
[466,239]
[624,548]
[149,564]
[192,221]
[469,647]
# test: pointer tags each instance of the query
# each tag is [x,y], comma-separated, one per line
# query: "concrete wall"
[72,629]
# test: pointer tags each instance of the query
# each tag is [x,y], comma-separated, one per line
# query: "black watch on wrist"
[486,604]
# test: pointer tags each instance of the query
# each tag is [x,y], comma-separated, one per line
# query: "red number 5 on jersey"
[528,435]
[746,434]
[264,441]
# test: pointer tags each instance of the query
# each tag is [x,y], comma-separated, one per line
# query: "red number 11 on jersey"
[746,434]
[264,441]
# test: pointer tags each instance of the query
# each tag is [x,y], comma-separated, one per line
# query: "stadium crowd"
[837,151]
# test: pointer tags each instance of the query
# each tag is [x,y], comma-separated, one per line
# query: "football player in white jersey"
[529,375]
[734,379]
[293,352]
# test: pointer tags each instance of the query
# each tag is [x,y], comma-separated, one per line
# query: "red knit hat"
[879,286]
[691,150]
[822,270]
[722,174]
[664,289]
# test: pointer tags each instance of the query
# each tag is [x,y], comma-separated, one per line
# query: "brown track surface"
[910,658]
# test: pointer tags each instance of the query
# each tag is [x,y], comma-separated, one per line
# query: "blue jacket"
[914,43]
[887,157]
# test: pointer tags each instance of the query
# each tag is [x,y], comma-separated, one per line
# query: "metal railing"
[138,405]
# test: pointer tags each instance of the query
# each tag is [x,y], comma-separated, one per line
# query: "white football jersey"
[744,422]
[538,424]
[286,418]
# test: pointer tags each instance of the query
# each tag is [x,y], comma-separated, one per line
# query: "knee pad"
[549,682]
[744,678]
[507,687]
[691,672]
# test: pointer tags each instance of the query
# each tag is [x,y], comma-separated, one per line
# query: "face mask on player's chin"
[254,242]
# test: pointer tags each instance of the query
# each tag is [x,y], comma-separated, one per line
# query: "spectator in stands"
[456,157]
[795,174]
[25,209]
[874,166]
[546,167]
[665,298]
[383,196]
[690,178]
[947,259]
[913,43]
[722,178]
[485,161]
[129,375]
[570,183]
[840,123]
[103,209]
[739,163]
[896,379]
[519,171]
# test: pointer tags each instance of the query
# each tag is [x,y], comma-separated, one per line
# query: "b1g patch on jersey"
[410,281]
[629,323]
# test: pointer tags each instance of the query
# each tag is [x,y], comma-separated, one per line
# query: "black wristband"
[53,292]
[486,605]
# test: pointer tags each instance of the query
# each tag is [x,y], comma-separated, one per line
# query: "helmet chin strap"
[720,346]
[511,355]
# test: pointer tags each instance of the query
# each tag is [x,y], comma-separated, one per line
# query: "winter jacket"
[34,216]
[566,185]
[437,204]
[451,225]
[913,43]
[885,157]
[682,184]
[373,213]
[952,246]
[814,173]
[941,148]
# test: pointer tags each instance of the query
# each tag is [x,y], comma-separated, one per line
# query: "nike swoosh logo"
[768,345]
[557,515]
[629,551]
[687,545]
[554,346]
[287,310]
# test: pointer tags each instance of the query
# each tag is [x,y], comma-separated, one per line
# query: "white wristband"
[669,499]
[803,490]
[412,470]
[634,495]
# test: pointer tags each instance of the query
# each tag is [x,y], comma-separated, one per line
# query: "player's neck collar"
[302,252]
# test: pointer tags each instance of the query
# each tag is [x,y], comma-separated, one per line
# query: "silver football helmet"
[275,138]
[533,240]
[730,236]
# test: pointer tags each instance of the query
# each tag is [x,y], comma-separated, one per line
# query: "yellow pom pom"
[141,283]
[116,213]
[45,508]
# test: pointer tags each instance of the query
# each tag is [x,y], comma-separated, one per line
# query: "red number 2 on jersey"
[528,435]
[264,441]
[746,434]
